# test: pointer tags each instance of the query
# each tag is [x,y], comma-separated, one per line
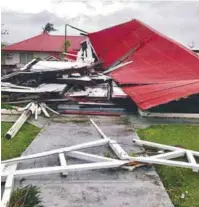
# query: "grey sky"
[177,19]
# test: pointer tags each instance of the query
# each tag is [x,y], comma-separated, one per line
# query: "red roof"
[156,60]
[147,96]
[46,43]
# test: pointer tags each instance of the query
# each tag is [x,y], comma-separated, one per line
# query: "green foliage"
[6,106]
[2,52]
[49,27]
[28,196]
[37,58]
[66,45]
[177,181]
[108,154]
[16,146]
[4,98]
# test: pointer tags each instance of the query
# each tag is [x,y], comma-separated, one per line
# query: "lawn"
[16,146]
[181,184]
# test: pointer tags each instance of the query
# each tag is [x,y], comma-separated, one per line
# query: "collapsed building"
[126,61]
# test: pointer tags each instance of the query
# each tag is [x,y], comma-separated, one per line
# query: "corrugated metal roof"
[46,43]
[158,63]
[148,96]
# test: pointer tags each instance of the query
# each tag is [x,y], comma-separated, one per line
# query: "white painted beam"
[56,151]
[44,110]
[63,163]
[7,190]
[118,150]
[156,145]
[165,162]
[53,111]
[170,155]
[36,111]
[18,124]
[192,160]
[68,168]
[99,130]
[162,146]
[88,157]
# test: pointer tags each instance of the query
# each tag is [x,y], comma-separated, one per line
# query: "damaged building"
[116,70]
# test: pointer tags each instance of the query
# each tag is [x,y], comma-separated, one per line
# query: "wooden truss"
[9,167]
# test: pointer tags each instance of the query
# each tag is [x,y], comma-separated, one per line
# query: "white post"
[8,190]
[18,124]
[63,163]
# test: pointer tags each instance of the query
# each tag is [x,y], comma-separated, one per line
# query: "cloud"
[24,25]
[178,20]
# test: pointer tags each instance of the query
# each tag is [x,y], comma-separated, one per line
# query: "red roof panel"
[147,96]
[157,60]
[46,43]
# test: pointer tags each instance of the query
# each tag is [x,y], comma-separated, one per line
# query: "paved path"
[97,188]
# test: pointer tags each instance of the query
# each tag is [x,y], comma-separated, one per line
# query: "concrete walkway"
[97,188]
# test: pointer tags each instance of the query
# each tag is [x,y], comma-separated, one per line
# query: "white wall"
[15,59]
[41,55]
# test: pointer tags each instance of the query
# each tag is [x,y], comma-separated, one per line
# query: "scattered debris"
[30,109]
[97,162]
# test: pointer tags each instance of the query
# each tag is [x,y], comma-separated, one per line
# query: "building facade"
[43,46]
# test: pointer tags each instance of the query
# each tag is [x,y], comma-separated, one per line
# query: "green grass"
[16,146]
[177,181]
[28,196]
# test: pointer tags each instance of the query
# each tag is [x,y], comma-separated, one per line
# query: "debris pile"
[68,87]
[80,85]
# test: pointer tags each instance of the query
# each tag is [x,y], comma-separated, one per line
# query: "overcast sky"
[24,18]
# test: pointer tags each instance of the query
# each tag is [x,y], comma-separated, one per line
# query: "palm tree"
[49,27]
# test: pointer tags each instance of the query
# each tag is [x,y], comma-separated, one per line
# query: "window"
[8,56]
[25,57]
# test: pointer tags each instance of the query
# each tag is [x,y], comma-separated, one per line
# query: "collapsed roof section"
[163,69]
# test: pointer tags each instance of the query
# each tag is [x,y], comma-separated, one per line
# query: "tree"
[66,45]
[191,45]
[4,31]
[49,27]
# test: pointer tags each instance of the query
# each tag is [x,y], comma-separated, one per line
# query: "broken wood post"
[18,124]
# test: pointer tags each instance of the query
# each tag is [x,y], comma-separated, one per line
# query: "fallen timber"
[30,109]
[97,162]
